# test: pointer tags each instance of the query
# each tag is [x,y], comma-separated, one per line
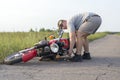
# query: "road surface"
[104,65]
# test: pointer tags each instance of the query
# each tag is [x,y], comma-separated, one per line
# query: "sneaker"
[76,58]
[86,56]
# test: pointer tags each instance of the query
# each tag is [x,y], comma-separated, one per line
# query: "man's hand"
[70,53]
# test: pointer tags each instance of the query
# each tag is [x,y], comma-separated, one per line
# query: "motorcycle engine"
[46,49]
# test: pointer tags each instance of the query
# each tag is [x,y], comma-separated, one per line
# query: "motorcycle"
[53,49]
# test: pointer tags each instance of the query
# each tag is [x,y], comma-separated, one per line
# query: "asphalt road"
[104,65]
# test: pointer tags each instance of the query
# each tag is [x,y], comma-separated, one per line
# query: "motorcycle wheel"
[13,58]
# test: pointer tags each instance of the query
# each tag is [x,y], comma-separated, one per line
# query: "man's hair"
[60,25]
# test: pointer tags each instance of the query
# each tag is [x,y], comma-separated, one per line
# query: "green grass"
[15,41]
[11,42]
[97,35]
[118,33]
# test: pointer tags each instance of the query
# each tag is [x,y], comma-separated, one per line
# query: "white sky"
[22,15]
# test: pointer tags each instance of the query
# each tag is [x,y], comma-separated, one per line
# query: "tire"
[12,59]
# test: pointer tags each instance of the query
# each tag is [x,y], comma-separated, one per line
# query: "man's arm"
[72,36]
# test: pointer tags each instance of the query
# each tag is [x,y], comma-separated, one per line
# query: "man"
[80,27]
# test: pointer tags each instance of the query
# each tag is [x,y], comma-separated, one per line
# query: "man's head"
[62,24]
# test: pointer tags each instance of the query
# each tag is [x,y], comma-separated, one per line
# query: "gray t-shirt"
[75,22]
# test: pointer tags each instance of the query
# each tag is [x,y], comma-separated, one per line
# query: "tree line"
[41,30]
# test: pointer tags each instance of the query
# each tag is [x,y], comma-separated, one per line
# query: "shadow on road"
[95,61]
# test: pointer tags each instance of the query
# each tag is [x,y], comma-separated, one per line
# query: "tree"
[31,30]
[42,29]
[48,30]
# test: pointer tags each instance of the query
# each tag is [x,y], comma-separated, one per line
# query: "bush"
[42,30]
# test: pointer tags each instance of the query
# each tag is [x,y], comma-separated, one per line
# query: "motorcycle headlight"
[54,47]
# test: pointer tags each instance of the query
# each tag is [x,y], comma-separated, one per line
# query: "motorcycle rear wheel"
[12,59]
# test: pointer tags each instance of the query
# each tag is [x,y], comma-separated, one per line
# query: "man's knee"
[82,34]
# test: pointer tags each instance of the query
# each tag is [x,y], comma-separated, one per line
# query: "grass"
[97,35]
[118,33]
[11,42]
[15,41]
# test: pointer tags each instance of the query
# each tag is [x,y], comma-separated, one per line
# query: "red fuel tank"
[66,43]
[29,55]
[64,40]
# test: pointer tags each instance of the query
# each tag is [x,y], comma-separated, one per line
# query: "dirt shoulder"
[105,65]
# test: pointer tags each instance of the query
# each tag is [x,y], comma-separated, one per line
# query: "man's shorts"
[91,25]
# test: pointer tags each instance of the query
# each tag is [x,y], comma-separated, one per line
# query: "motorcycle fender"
[29,55]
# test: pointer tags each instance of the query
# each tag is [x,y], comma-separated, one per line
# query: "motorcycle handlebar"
[60,34]
[44,43]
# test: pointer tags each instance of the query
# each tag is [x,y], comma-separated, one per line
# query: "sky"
[22,15]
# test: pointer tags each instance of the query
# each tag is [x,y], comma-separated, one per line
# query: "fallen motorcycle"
[52,49]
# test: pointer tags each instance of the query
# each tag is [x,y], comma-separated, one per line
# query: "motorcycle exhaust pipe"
[20,57]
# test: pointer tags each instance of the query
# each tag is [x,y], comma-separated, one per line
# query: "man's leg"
[86,43]
[79,42]
[86,54]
